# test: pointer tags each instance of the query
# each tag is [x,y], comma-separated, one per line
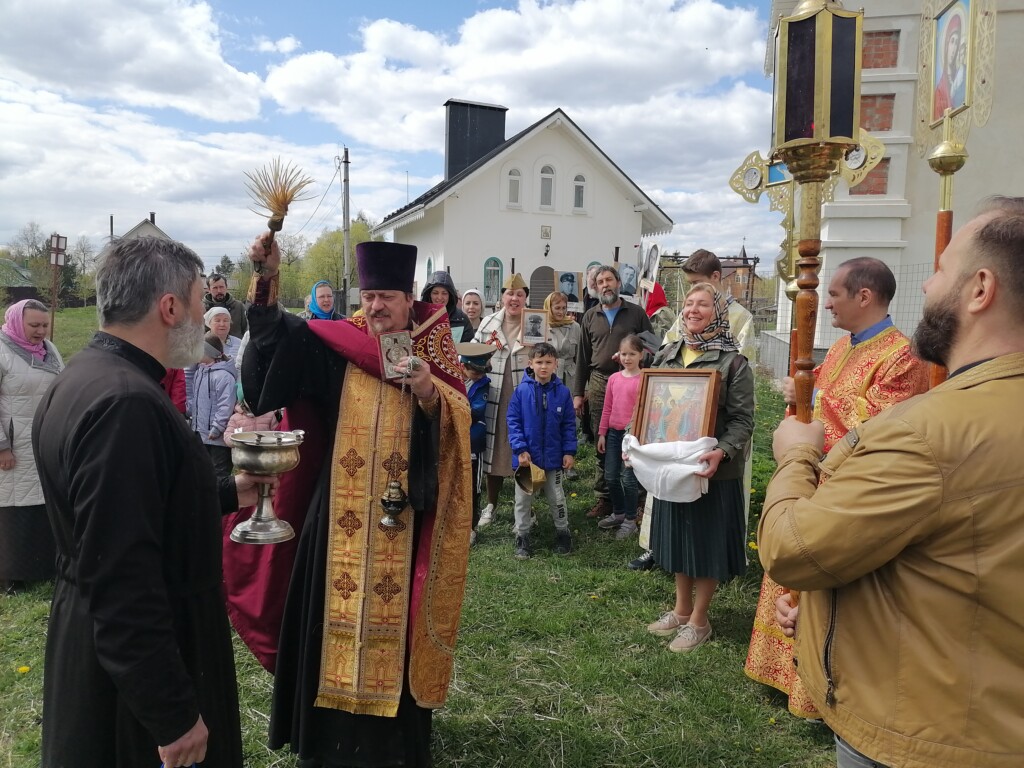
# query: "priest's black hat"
[386,266]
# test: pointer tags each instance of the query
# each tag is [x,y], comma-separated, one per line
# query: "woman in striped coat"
[502,330]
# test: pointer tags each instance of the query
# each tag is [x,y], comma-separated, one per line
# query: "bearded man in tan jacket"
[910,556]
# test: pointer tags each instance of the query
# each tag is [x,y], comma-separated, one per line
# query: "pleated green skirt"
[705,538]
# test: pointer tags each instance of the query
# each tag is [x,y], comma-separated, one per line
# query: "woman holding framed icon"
[702,542]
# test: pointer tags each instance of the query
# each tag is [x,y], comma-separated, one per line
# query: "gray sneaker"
[611,521]
[627,529]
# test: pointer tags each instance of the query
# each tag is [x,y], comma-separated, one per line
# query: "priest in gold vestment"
[371,611]
[865,372]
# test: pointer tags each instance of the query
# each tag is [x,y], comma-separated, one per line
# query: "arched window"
[430,268]
[547,187]
[579,197]
[492,283]
[515,189]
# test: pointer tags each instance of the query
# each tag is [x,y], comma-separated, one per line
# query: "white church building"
[547,199]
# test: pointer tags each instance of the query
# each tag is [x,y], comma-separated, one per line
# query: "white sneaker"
[486,516]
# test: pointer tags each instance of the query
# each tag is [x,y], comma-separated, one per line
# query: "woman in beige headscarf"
[564,333]
[502,330]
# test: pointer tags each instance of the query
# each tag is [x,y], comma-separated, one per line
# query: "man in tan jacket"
[910,556]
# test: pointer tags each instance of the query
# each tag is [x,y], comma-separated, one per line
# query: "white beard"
[185,344]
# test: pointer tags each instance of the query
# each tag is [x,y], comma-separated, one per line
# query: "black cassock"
[138,644]
[283,363]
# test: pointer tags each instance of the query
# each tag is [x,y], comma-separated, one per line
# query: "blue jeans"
[622,486]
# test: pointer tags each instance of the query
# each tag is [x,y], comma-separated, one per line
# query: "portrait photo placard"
[535,328]
[571,284]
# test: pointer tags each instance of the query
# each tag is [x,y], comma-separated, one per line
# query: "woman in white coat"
[28,365]
[502,330]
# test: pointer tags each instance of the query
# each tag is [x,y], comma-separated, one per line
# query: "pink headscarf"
[14,327]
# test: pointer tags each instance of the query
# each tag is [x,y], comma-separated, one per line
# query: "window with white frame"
[579,192]
[515,187]
[547,187]
[492,284]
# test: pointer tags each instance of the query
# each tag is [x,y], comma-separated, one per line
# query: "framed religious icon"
[393,347]
[535,328]
[951,59]
[676,405]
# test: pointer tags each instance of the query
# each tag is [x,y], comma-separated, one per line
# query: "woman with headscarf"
[218,322]
[28,365]
[473,307]
[503,331]
[221,328]
[564,333]
[441,290]
[702,542]
[320,304]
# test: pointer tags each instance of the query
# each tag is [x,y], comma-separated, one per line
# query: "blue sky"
[128,106]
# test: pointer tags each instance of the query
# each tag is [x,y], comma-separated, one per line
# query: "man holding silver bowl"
[375,590]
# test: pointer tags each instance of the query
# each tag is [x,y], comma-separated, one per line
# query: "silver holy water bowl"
[267,454]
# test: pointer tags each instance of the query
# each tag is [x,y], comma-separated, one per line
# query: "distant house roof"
[146,227]
[13,276]
[655,221]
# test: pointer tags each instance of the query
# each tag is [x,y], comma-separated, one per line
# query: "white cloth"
[668,470]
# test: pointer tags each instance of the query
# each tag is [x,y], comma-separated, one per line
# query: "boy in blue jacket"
[542,432]
[475,359]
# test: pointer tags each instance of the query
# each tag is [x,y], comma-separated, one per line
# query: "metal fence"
[772,323]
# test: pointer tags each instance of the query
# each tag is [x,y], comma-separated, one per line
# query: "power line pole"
[347,229]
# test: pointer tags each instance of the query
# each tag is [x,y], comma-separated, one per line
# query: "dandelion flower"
[23,669]
[753,545]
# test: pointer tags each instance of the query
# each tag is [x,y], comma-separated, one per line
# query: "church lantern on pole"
[817,122]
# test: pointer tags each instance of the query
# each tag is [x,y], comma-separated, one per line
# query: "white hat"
[212,313]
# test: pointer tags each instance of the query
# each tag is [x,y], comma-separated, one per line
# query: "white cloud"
[145,53]
[285,45]
[586,54]
[659,85]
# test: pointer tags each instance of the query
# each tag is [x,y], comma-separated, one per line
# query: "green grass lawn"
[554,666]
[72,329]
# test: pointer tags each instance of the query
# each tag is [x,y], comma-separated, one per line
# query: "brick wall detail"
[876,182]
[876,111]
[881,49]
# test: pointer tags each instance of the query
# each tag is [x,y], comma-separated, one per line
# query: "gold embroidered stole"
[369,566]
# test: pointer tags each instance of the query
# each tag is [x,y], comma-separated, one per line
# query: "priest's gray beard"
[185,343]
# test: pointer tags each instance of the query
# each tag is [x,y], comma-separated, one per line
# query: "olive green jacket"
[734,420]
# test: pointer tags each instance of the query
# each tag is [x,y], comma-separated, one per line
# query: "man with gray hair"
[604,327]
[139,666]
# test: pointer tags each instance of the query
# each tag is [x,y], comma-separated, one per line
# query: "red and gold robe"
[367,615]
